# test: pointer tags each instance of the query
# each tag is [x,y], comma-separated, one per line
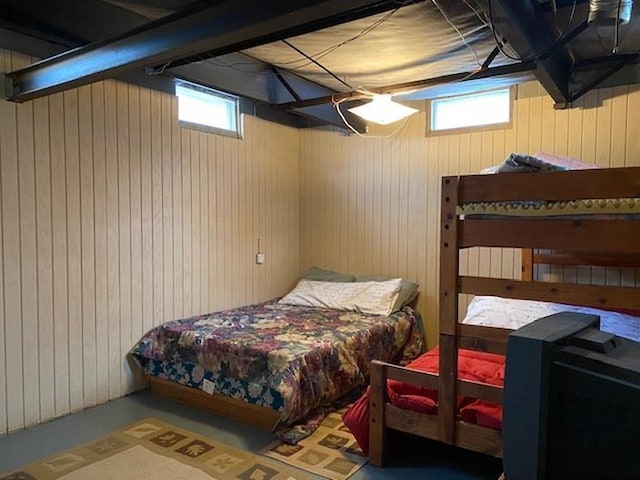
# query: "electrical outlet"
[208,386]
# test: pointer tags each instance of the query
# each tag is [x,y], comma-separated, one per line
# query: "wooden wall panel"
[355,192]
[114,219]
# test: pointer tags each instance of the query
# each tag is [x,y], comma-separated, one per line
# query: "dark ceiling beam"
[248,78]
[27,43]
[39,44]
[548,5]
[409,87]
[80,21]
[235,73]
[217,29]
[522,24]
[329,115]
[609,71]
[244,76]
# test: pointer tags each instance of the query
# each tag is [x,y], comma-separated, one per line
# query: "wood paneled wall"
[371,206]
[114,219]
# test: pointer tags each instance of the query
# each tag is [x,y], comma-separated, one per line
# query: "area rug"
[151,449]
[330,451]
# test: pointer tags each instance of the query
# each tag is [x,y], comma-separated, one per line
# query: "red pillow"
[357,421]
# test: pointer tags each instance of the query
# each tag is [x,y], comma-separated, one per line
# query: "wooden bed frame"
[255,415]
[597,236]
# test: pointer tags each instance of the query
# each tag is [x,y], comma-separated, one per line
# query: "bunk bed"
[547,214]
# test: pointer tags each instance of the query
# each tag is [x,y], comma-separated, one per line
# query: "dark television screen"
[571,402]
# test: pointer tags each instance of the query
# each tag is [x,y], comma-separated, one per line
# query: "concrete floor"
[420,459]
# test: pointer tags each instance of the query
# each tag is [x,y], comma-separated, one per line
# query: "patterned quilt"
[289,358]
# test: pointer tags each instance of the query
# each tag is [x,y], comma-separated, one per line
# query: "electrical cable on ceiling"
[330,49]
[616,34]
[477,13]
[326,51]
[534,56]
[462,37]
[318,64]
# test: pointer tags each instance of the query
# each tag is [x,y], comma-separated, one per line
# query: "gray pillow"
[324,275]
[408,289]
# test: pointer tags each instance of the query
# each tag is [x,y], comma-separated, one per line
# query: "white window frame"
[197,92]
[432,110]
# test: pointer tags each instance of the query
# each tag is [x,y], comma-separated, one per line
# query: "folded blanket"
[517,162]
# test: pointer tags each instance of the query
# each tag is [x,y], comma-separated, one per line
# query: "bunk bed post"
[527,264]
[448,316]
[377,401]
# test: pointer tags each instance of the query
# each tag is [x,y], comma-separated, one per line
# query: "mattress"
[621,208]
[488,311]
[288,358]
[474,366]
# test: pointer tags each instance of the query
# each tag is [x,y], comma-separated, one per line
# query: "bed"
[604,236]
[272,363]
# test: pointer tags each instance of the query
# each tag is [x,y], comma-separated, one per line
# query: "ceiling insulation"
[431,45]
[411,43]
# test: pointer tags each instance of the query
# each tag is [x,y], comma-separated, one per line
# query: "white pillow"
[511,313]
[377,298]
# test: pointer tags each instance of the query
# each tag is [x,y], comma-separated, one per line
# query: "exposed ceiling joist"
[522,24]
[217,29]
[409,87]
[244,76]
[255,81]
[79,21]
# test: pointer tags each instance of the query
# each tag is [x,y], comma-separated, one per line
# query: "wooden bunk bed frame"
[609,242]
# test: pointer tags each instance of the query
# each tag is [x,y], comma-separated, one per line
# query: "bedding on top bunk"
[614,209]
[538,162]
[289,358]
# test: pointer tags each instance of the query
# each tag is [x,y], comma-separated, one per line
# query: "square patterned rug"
[331,451]
[151,449]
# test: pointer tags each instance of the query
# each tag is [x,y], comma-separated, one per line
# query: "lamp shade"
[383,110]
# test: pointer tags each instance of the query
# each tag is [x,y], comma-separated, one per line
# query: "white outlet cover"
[208,386]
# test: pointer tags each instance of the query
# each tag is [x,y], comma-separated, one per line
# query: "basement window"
[208,110]
[491,109]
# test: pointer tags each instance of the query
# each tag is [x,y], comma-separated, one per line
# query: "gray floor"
[421,459]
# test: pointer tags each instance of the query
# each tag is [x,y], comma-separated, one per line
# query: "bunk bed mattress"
[602,209]
[288,358]
[475,366]
[512,313]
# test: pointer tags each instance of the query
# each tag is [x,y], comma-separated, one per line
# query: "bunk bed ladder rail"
[448,311]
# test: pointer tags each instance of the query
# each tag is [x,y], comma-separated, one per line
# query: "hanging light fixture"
[383,110]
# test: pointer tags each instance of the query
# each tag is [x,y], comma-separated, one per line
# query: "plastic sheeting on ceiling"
[414,42]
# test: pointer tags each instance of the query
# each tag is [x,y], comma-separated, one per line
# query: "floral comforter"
[289,358]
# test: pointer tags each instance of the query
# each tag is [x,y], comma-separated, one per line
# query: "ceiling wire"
[616,34]
[462,37]
[317,63]
[328,50]
[477,13]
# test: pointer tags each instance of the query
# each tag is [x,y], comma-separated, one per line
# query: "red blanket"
[476,366]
